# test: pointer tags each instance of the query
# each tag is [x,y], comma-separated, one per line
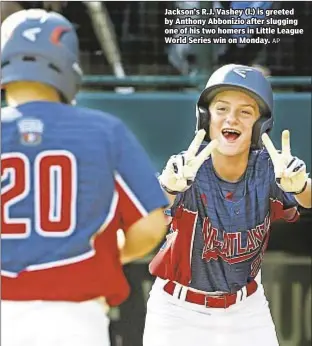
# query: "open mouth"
[231,135]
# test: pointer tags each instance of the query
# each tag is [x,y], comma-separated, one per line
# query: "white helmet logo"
[31,34]
[241,71]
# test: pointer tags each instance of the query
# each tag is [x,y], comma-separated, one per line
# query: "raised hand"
[290,172]
[181,169]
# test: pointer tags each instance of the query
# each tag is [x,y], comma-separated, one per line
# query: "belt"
[223,301]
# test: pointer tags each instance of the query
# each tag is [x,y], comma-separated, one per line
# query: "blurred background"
[153,87]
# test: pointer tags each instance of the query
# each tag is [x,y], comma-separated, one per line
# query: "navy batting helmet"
[248,80]
[43,47]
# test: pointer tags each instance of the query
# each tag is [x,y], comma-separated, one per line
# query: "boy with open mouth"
[224,193]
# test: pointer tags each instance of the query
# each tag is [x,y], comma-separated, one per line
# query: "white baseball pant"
[170,321]
[47,323]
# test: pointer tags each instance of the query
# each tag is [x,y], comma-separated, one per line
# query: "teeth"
[231,131]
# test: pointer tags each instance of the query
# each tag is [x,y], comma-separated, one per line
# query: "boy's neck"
[230,168]
[17,93]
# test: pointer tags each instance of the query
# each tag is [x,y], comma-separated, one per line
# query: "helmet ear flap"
[203,121]
[262,125]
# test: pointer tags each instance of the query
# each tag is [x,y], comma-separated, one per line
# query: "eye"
[246,112]
[221,109]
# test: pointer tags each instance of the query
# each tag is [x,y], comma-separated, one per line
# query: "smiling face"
[232,116]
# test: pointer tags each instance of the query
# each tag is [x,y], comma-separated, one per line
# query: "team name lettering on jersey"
[233,247]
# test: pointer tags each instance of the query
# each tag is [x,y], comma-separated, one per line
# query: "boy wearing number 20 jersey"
[70,179]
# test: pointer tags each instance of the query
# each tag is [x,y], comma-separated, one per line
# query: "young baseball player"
[225,195]
[70,179]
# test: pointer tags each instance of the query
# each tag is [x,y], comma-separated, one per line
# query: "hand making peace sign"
[290,172]
[181,169]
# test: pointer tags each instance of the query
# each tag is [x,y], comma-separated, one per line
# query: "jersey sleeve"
[138,188]
[283,204]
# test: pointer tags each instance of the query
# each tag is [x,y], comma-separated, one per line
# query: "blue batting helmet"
[43,47]
[243,78]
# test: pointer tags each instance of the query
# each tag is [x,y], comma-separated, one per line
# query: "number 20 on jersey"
[50,184]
